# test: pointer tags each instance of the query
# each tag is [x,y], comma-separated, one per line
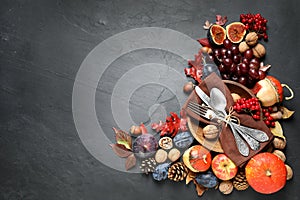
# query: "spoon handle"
[254,133]
[253,143]
[240,143]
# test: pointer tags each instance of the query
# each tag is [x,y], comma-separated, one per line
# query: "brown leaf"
[120,150]
[277,130]
[286,113]
[199,188]
[190,177]
[130,162]
[123,138]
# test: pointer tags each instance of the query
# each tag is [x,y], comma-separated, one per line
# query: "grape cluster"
[268,119]
[249,106]
[256,23]
[242,68]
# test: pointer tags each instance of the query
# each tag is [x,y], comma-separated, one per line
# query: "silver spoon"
[218,102]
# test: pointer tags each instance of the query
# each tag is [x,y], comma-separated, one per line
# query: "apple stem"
[268,173]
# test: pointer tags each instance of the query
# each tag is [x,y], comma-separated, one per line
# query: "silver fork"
[201,110]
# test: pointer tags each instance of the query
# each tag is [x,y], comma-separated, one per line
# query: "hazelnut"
[276,115]
[161,156]
[243,46]
[135,130]
[210,132]
[165,143]
[251,38]
[226,187]
[235,96]
[259,51]
[280,155]
[289,172]
[188,87]
[279,143]
[206,50]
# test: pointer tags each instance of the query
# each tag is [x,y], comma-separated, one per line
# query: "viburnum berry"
[249,106]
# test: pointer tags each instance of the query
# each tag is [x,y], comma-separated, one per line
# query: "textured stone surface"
[42,44]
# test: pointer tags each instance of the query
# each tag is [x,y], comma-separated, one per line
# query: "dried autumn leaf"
[207,25]
[190,177]
[199,188]
[286,113]
[277,130]
[130,162]
[123,138]
[221,20]
[196,70]
[264,67]
[204,42]
[120,150]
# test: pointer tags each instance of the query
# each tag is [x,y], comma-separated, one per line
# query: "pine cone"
[148,165]
[177,172]
[240,181]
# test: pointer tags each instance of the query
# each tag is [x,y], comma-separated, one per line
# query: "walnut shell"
[161,156]
[280,155]
[251,38]
[210,132]
[259,51]
[289,172]
[165,143]
[279,143]
[226,187]
[174,154]
[243,46]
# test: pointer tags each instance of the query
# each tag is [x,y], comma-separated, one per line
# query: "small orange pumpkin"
[269,91]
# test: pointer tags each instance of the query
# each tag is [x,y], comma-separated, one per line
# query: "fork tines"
[198,109]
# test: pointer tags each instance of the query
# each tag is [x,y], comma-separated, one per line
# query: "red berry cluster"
[268,119]
[256,23]
[249,106]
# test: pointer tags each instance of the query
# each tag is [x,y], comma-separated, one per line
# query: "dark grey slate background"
[42,44]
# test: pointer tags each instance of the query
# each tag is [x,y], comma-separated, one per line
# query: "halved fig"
[235,32]
[216,34]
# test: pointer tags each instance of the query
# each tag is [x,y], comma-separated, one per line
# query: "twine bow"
[230,116]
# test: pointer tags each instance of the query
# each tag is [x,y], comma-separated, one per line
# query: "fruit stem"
[268,173]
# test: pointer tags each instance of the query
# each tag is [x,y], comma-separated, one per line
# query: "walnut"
[210,132]
[243,46]
[226,187]
[279,143]
[165,143]
[251,38]
[259,51]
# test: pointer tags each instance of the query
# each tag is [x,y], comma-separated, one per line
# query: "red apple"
[197,158]
[266,173]
[223,167]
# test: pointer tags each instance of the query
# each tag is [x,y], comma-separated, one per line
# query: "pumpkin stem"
[268,173]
